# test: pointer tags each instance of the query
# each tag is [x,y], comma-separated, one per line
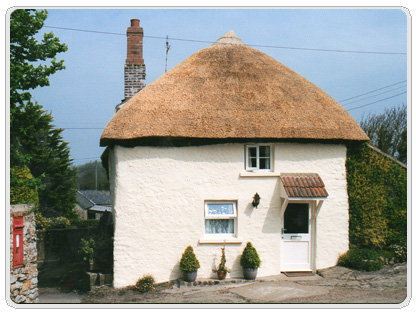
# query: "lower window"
[220,218]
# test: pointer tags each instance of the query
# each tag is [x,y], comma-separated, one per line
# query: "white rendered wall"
[159,195]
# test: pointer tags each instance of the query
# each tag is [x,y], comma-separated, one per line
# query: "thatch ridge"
[232,91]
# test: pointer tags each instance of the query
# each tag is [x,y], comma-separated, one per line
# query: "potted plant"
[87,251]
[250,261]
[189,265]
[222,269]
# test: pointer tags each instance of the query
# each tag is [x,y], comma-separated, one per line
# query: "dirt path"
[335,285]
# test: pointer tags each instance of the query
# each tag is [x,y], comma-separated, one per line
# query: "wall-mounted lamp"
[256,200]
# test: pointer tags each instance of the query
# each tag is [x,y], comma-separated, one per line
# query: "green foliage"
[81,224]
[362,259]
[221,266]
[399,252]
[388,131]
[145,284]
[26,72]
[250,258]
[47,157]
[87,174]
[189,262]
[51,223]
[33,140]
[23,187]
[86,249]
[76,279]
[377,190]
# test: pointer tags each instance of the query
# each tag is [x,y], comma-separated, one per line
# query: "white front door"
[296,238]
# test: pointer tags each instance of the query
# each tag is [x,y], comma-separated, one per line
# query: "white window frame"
[232,216]
[247,157]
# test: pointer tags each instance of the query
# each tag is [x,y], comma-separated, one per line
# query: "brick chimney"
[134,68]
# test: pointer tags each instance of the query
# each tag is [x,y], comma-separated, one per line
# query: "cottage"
[187,154]
[93,204]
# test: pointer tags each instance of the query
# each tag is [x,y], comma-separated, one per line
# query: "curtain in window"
[219,226]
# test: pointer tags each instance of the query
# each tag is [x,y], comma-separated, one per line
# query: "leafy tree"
[48,160]
[89,174]
[388,131]
[26,71]
[34,142]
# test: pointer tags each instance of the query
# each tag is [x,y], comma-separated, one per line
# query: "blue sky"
[85,93]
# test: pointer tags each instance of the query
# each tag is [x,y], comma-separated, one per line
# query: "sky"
[82,97]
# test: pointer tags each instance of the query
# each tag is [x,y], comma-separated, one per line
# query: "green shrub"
[86,249]
[81,224]
[23,187]
[250,258]
[59,223]
[362,259]
[51,223]
[189,262]
[377,191]
[145,284]
[399,252]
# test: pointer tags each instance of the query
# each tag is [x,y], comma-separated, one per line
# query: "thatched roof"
[230,90]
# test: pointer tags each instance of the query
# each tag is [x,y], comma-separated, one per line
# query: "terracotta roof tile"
[306,185]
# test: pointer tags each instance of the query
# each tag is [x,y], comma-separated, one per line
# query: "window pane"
[220,209]
[252,162]
[219,226]
[264,151]
[296,219]
[252,152]
[264,163]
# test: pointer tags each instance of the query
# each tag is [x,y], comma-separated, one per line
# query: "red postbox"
[17,242]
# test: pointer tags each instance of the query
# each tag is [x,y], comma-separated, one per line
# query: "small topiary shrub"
[250,258]
[145,284]
[362,259]
[189,262]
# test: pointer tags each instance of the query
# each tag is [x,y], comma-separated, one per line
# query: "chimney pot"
[135,22]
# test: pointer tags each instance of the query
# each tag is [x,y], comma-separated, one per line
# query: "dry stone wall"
[24,280]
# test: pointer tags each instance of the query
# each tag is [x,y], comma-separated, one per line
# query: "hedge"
[377,190]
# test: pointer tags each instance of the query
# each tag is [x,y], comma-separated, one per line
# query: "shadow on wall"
[175,273]
[272,222]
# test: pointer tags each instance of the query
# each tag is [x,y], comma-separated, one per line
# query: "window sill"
[220,241]
[259,174]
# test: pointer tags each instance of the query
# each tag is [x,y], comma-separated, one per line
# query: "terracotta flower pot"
[222,275]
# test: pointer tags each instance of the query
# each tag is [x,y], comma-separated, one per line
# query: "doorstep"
[210,282]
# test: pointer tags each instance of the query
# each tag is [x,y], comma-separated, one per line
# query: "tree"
[25,53]
[91,176]
[388,131]
[47,157]
[34,142]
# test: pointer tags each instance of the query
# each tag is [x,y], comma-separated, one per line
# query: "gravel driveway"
[334,285]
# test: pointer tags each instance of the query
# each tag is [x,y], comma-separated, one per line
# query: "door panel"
[296,247]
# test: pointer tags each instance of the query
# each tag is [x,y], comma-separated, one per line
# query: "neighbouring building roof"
[90,198]
[308,185]
[230,90]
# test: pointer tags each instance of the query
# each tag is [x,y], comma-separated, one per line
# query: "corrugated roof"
[230,90]
[305,185]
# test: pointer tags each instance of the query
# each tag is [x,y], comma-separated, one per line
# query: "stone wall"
[24,280]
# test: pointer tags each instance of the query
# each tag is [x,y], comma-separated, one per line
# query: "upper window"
[258,157]
[220,218]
